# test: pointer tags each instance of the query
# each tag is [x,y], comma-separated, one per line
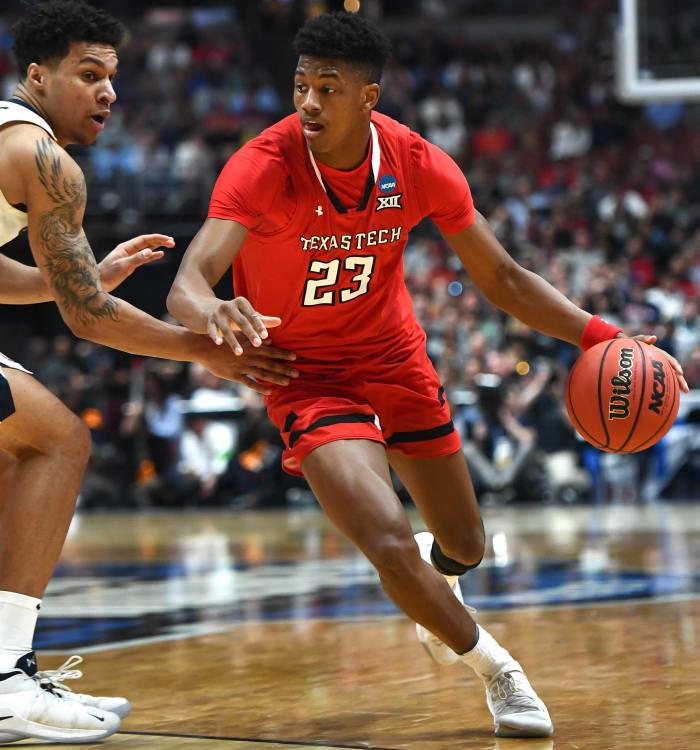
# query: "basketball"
[622,396]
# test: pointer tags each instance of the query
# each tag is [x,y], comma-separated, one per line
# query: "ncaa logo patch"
[387,183]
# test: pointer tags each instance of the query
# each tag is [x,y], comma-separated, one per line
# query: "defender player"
[66,54]
[314,215]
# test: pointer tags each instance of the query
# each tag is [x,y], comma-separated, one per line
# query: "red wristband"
[598,330]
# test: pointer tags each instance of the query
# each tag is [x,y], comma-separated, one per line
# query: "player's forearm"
[93,314]
[532,300]
[191,301]
[21,284]
[122,326]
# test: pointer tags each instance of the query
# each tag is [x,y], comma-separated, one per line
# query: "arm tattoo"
[67,254]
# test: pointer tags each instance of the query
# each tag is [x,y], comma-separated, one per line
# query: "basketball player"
[314,215]
[66,54]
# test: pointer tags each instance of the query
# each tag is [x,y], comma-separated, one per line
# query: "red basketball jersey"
[334,274]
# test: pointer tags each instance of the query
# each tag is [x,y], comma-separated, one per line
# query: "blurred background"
[600,197]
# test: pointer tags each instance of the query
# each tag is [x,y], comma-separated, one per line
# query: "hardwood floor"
[268,631]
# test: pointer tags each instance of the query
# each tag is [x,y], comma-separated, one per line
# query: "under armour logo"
[31,661]
[389,201]
[319,210]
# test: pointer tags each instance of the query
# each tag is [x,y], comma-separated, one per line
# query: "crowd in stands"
[601,199]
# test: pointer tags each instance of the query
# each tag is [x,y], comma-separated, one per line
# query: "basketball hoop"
[639,85]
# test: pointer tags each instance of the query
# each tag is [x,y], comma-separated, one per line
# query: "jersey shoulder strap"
[13,112]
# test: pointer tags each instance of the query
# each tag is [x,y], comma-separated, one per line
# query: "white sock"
[18,614]
[488,658]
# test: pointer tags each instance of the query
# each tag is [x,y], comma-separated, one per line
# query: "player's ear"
[36,75]
[370,96]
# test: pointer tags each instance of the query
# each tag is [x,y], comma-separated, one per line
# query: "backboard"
[657,50]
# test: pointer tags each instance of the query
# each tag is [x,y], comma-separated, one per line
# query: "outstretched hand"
[650,339]
[238,315]
[265,363]
[129,255]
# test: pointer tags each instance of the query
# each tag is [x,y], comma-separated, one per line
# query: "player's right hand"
[238,315]
[129,255]
[650,338]
[262,363]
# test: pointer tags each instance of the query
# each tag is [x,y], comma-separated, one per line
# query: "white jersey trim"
[376,158]
[12,112]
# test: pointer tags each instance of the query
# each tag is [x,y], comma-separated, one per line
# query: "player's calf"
[8,469]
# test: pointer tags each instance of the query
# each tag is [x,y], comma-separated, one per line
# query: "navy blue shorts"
[7,403]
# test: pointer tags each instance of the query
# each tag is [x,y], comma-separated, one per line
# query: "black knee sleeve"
[446,565]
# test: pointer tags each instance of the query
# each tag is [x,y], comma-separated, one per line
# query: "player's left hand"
[129,255]
[266,363]
[647,338]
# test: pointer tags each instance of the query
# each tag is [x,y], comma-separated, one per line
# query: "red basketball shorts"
[399,404]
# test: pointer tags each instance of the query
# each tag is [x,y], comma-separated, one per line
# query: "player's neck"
[348,155]
[24,94]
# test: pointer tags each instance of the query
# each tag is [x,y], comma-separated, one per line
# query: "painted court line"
[291,743]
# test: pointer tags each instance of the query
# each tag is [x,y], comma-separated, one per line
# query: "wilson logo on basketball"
[658,389]
[619,405]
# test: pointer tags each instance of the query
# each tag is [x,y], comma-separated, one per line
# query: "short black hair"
[44,34]
[345,36]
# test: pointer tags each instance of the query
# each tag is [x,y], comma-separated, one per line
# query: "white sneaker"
[439,651]
[54,678]
[29,710]
[517,710]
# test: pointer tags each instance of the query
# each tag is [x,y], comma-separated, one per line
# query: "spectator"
[500,449]
[600,201]
[206,447]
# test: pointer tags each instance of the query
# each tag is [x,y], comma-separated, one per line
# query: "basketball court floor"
[268,631]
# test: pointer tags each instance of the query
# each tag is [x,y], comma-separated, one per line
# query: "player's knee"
[465,549]
[392,554]
[78,441]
